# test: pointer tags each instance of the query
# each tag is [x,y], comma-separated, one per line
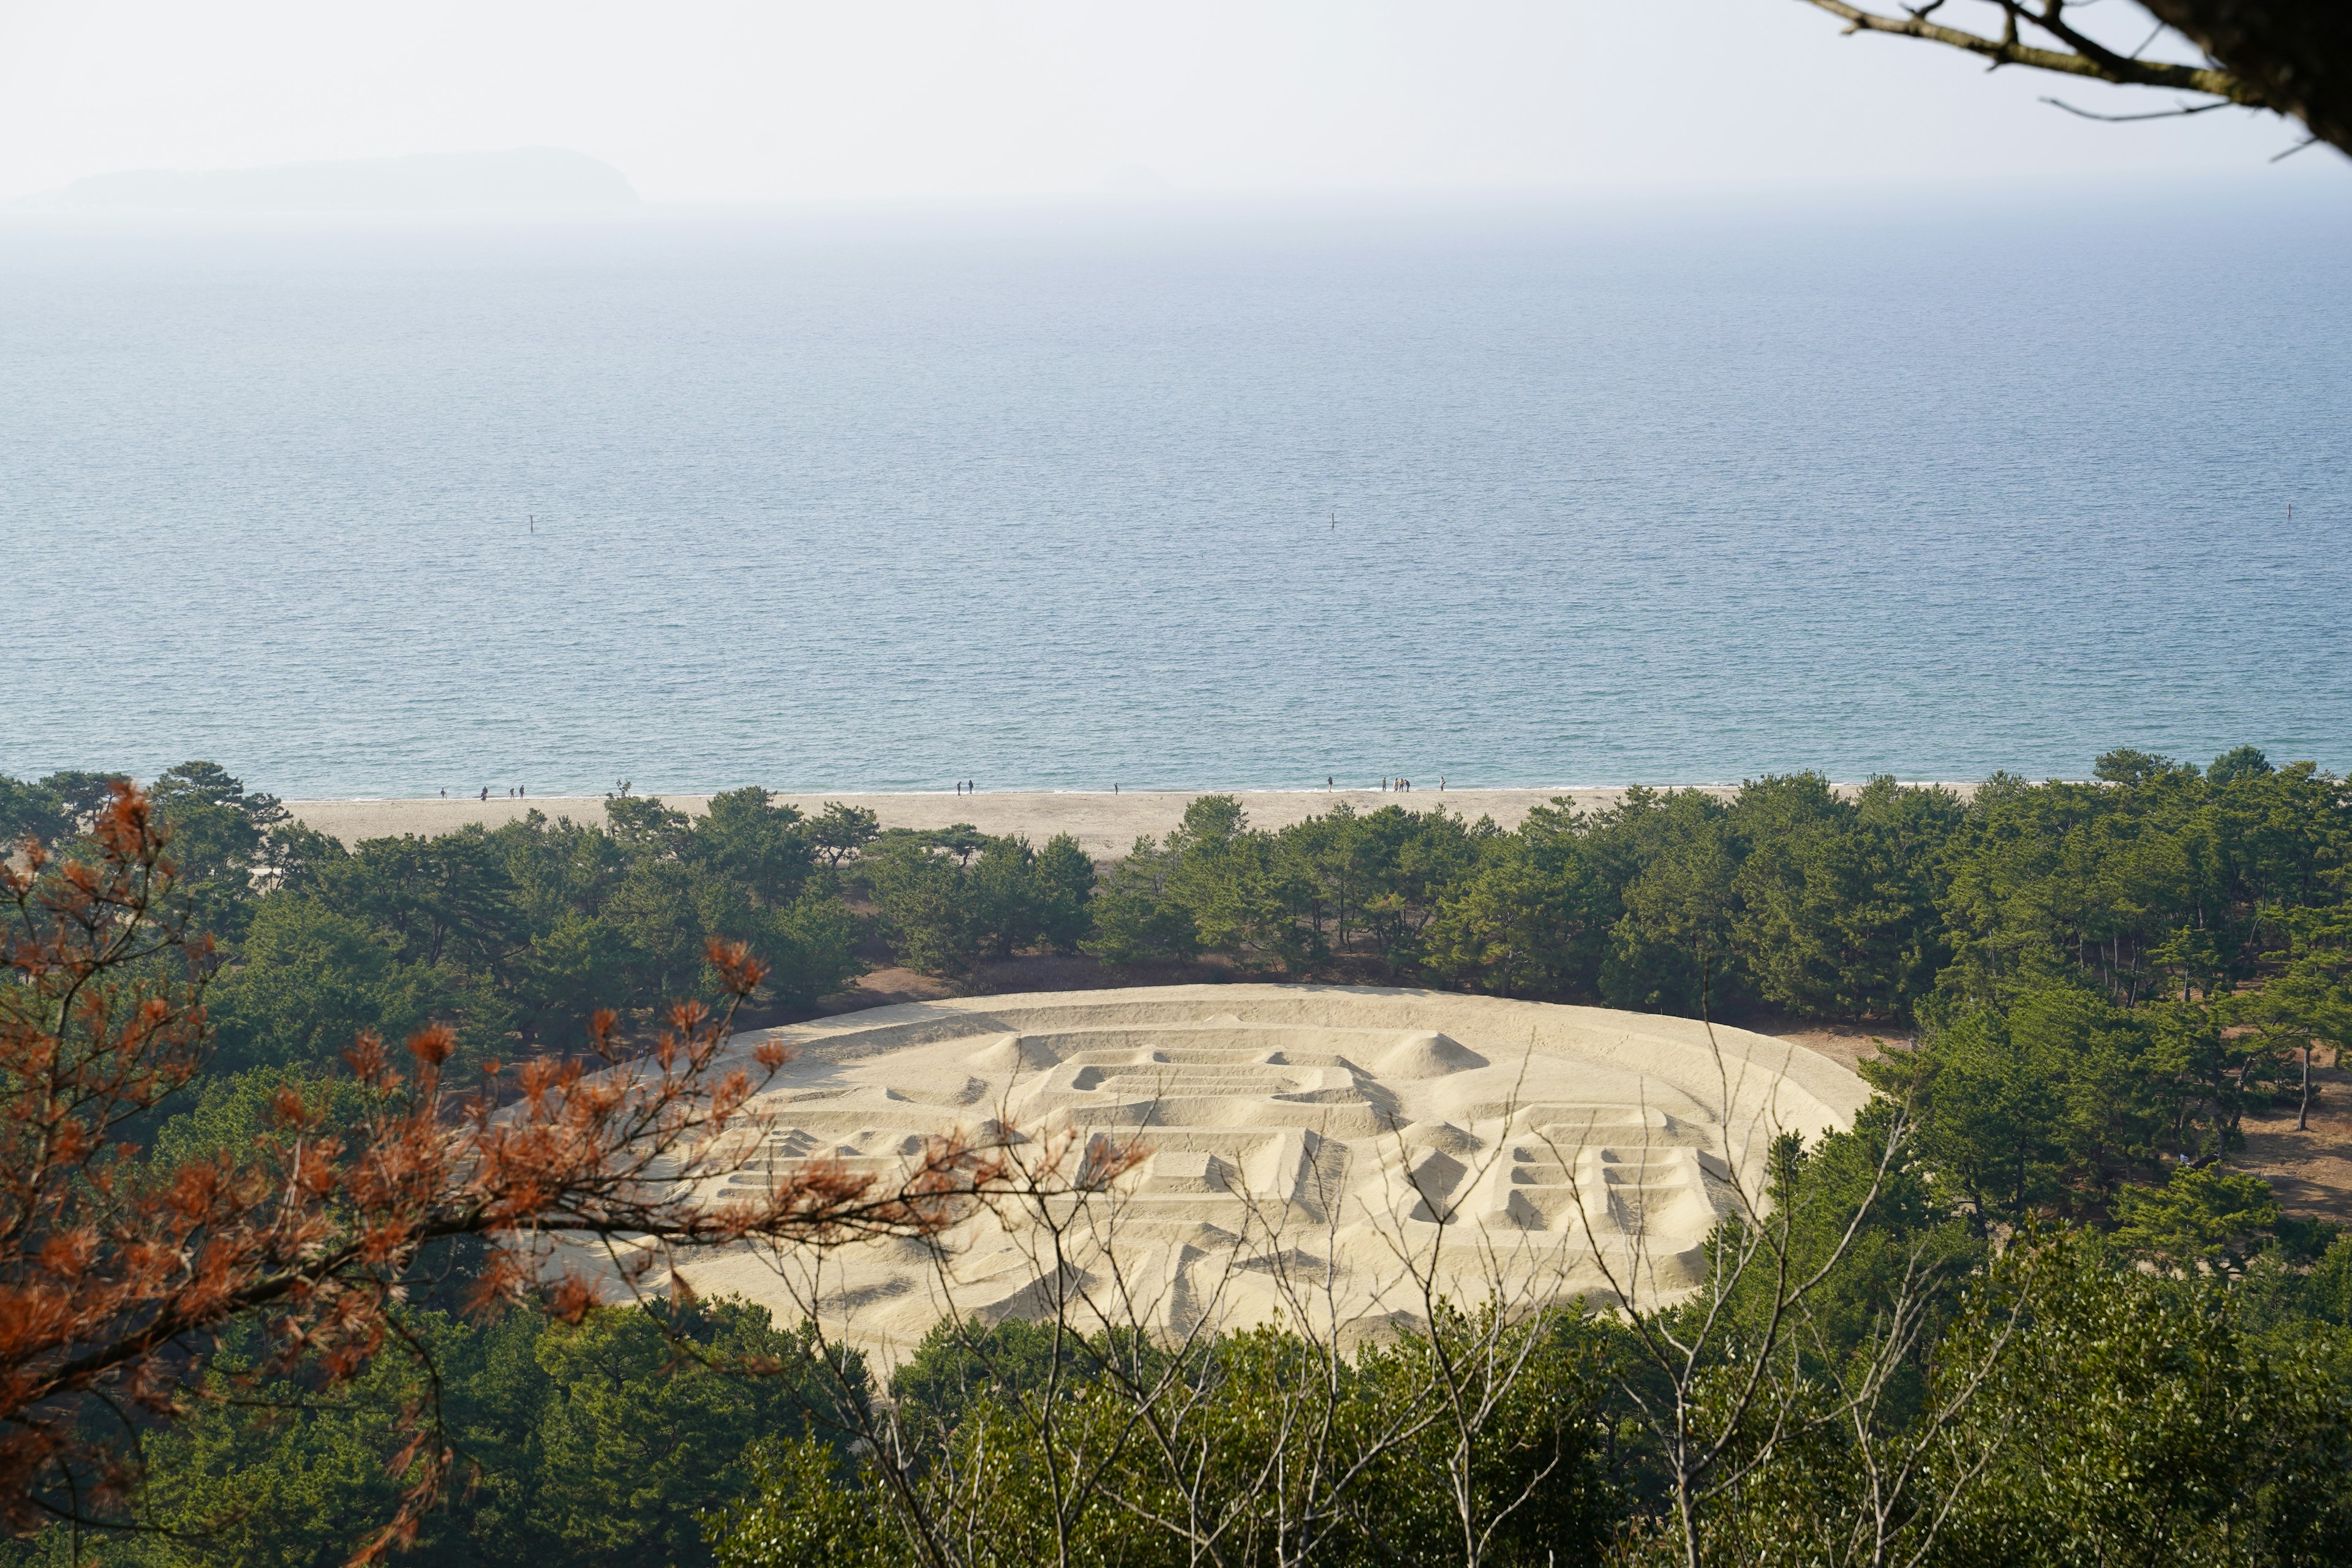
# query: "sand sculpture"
[1318,1151]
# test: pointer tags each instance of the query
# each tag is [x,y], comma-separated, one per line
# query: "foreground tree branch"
[115,1275]
[2292,57]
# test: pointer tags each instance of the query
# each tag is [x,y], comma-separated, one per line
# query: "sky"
[926,100]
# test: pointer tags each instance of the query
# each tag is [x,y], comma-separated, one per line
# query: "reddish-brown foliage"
[115,1275]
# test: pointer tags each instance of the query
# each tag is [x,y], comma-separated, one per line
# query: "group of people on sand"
[1331,781]
[966,786]
[514,792]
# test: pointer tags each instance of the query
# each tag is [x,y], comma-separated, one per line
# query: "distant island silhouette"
[524,179]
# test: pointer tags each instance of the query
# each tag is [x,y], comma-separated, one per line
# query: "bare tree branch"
[2182,112]
[2293,60]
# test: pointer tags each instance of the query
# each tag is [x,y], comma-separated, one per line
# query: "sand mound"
[1294,1134]
[1442,1136]
[1014,1054]
[1428,1055]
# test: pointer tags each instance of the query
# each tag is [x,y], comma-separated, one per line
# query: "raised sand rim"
[1316,1152]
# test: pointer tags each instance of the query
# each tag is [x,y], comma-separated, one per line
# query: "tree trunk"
[2299,54]
[2303,1110]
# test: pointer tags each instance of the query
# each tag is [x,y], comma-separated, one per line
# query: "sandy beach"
[1105,825]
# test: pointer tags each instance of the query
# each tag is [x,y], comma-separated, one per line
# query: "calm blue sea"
[1676,491]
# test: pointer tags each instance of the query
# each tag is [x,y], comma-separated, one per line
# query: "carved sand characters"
[1337,1143]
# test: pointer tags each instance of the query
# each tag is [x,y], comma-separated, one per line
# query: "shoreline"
[1105,825]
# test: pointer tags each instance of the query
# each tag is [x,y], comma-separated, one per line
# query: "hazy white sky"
[781,100]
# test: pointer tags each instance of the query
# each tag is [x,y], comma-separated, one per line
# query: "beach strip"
[1105,825]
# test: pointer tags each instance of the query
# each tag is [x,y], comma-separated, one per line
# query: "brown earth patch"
[1848,1044]
[2311,1171]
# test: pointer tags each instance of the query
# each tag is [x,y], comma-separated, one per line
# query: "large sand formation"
[1315,1151]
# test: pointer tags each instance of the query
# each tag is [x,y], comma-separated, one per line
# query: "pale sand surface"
[1299,1136]
[1105,825]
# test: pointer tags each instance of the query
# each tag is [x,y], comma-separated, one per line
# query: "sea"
[1509,490]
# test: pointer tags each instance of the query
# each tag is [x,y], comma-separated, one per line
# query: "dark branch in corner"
[2293,60]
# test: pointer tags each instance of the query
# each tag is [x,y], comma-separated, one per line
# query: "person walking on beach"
[486,791]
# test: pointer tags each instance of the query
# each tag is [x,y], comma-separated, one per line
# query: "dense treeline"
[2040,1287]
[516,935]
[2160,878]
[595,1443]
